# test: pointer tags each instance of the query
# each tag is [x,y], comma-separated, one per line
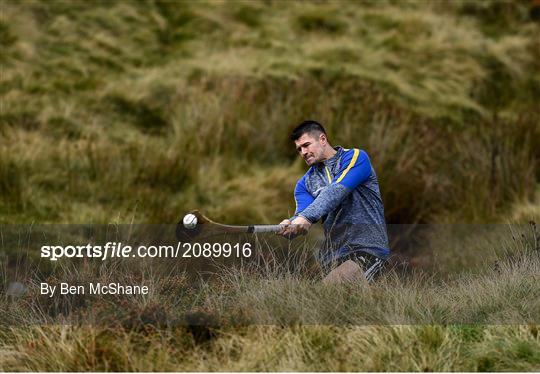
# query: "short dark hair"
[308,126]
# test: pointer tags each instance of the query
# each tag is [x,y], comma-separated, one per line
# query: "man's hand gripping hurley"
[291,229]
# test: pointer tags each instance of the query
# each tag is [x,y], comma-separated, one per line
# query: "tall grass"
[233,142]
[268,318]
[129,111]
[130,124]
[272,348]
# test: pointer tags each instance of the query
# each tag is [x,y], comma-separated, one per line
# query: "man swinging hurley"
[341,190]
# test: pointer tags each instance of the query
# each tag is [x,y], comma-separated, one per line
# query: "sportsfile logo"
[111,249]
[119,250]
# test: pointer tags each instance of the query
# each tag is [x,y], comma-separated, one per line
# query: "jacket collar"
[334,159]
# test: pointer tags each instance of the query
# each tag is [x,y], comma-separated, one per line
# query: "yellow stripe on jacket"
[350,166]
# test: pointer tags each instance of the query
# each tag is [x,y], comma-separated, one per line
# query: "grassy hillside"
[264,318]
[138,111]
[315,348]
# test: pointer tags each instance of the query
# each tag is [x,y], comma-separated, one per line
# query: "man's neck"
[329,153]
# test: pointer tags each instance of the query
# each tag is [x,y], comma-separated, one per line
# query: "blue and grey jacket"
[343,192]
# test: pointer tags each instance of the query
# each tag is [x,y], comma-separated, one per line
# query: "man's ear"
[323,139]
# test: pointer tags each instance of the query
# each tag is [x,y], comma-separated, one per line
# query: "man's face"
[311,147]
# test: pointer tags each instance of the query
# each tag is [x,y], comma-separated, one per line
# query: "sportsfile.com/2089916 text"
[119,250]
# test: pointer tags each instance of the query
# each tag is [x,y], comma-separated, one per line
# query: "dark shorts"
[372,266]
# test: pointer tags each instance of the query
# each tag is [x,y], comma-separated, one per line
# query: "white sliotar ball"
[190,221]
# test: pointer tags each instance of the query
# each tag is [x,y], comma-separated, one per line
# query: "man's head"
[311,142]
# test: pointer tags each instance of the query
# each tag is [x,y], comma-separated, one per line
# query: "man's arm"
[303,199]
[355,169]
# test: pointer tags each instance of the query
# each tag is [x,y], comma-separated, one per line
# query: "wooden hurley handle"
[264,228]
